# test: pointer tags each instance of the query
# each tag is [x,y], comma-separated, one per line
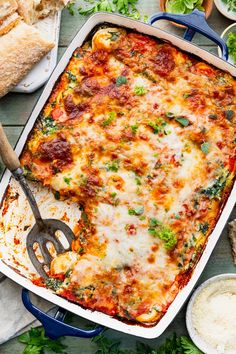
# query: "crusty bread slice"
[34,10]
[10,22]
[20,49]
[7,8]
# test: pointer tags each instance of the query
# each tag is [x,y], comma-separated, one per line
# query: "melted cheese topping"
[142,136]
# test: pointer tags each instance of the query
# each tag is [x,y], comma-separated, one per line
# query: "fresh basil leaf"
[121,80]
[183,121]
[139,210]
[205,147]
[229,114]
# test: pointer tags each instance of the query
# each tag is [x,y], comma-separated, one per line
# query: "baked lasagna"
[142,137]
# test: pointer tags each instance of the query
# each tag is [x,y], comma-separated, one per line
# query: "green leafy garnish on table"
[124,7]
[231,4]
[183,6]
[36,342]
[232,46]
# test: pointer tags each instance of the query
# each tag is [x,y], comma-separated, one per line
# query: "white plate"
[42,70]
[223,8]
[200,343]
[224,36]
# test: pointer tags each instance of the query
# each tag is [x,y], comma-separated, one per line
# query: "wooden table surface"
[14,112]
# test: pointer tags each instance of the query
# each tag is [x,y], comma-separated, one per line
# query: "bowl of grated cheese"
[211,315]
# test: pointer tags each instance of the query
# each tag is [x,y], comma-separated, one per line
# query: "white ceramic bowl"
[199,342]
[224,36]
[222,7]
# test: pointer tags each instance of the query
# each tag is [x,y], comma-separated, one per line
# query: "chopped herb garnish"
[215,190]
[81,250]
[113,166]
[57,195]
[149,76]
[71,76]
[53,283]
[158,126]
[136,211]
[138,180]
[140,90]
[113,195]
[114,36]
[163,232]
[68,273]
[186,95]
[154,222]
[49,126]
[204,227]
[67,180]
[121,80]
[205,147]
[229,114]
[134,128]
[183,121]
[213,116]
[110,119]
[170,115]
[143,217]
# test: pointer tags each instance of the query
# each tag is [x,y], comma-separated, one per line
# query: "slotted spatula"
[44,229]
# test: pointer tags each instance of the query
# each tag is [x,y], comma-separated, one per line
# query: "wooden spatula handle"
[7,153]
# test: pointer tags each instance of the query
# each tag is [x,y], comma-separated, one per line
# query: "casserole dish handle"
[195,22]
[55,326]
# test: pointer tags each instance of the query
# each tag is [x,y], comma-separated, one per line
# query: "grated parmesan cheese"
[214,316]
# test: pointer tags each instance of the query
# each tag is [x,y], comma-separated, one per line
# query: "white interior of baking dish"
[50,206]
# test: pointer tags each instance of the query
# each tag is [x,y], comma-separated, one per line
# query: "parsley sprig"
[231,5]
[36,343]
[124,7]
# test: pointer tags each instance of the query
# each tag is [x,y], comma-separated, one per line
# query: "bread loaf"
[20,49]
[34,10]
[7,8]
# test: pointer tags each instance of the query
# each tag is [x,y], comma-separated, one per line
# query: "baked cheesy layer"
[142,136]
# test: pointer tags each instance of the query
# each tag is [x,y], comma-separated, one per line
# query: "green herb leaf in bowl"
[183,6]
[231,42]
[231,4]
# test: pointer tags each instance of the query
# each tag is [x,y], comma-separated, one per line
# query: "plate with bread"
[29,33]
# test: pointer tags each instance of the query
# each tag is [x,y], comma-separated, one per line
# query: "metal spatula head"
[43,235]
[44,231]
